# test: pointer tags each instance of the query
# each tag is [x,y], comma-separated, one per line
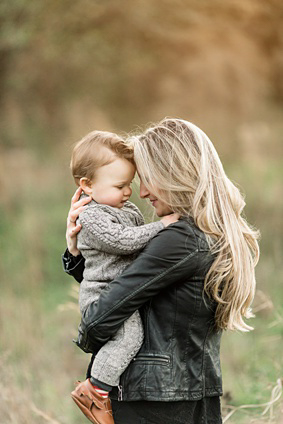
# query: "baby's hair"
[96,149]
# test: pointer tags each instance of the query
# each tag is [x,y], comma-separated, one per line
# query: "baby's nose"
[128,191]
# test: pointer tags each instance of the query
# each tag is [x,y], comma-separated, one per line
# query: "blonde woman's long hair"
[179,164]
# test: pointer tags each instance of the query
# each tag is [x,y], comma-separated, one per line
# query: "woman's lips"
[153,202]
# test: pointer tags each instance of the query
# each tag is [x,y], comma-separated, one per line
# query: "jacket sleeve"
[170,257]
[73,265]
[100,230]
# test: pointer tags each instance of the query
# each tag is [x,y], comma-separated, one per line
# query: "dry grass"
[39,315]
[216,63]
[268,407]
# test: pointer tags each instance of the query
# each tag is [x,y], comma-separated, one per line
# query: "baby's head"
[103,166]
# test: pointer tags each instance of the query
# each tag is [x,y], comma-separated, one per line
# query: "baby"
[112,235]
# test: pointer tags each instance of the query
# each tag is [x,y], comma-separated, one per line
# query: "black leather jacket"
[179,358]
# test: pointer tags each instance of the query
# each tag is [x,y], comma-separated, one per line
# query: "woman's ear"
[86,186]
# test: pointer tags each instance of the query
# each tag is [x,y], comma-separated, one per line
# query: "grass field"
[39,315]
[70,67]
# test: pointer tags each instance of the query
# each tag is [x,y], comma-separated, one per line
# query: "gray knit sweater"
[110,239]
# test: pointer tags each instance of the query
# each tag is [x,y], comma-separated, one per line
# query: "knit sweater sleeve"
[102,231]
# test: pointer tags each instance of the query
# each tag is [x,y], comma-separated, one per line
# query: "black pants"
[204,411]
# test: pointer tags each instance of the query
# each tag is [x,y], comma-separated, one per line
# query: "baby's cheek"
[106,198]
[111,198]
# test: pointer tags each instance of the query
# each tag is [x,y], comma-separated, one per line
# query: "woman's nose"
[143,190]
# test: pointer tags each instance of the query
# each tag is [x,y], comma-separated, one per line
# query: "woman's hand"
[77,206]
[170,219]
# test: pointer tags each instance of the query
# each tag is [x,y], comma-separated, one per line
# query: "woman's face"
[161,208]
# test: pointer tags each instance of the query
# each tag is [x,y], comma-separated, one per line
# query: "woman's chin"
[161,209]
[160,212]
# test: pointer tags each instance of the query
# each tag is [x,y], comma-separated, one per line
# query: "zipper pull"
[120,395]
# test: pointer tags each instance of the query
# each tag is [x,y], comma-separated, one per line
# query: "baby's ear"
[86,186]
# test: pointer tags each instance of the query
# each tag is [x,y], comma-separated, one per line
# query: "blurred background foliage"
[71,67]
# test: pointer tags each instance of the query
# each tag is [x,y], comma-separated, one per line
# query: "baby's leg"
[114,357]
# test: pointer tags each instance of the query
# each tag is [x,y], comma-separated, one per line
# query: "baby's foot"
[96,407]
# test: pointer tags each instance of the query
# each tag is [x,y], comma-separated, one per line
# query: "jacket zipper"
[152,359]
[120,393]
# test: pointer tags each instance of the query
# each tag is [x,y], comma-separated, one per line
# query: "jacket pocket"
[147,377]
[153,359]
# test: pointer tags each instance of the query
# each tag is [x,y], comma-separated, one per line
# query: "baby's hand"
[170,219]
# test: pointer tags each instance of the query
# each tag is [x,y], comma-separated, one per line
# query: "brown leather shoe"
[95,407]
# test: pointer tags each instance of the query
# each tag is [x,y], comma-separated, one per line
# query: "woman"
[193,280]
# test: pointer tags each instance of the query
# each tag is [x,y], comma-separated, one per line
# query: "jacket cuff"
[72,264]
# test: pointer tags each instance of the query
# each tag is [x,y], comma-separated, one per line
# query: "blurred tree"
[140,60]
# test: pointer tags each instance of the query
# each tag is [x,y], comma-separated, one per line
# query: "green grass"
[39,362]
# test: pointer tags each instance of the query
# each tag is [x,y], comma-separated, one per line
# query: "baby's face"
[112,183]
